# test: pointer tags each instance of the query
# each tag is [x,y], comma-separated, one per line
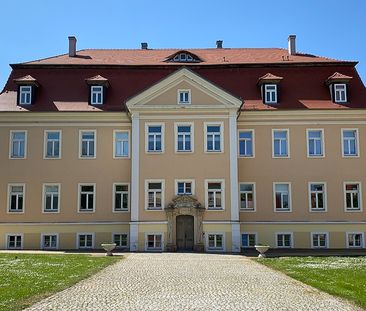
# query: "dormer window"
[270,93]
[184,96]
[97,89]
[27,87]
[96,97]
[269,88]
[25,95]
[340,93]
[184,57]
[338,85]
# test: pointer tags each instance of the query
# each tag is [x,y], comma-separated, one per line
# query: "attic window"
[338,84]
[97,89]
[27,87]
[25,95]
[269,84]
[183,57]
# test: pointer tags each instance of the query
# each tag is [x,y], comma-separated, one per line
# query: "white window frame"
[251,233]
[147,181]
[192,181]
[101,92]
[9,211]
[44,198]
[326,240]
[322,142]
[189,96]
[275,91]
[11,144]
[176,125]
[359,197]
[78,234]
[344,90]
[222,181]
[357,141]
[147,249]
[94,197]
[45,143]
[215,249]
[120,233]
[115,156]
[356,247]
[147,125]
[289,210]
[42,241]
[254,197]
[222,140]
[253,143]
[288,233]
[81,144]
[288,144]
[21,91]
[114,197]
[21,235]
[324,196]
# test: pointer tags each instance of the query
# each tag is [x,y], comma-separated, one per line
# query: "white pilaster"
[235,236]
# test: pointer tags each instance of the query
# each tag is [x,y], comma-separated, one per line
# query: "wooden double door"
[185,233]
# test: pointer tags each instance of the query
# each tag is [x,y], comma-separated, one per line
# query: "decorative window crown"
[184,57]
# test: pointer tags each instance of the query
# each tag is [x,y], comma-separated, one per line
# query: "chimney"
[292,44]
[144,45]
[219,44]
[72,46]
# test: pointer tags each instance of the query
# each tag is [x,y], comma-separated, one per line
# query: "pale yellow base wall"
[266,233]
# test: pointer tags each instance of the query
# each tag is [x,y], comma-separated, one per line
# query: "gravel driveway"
[170,281]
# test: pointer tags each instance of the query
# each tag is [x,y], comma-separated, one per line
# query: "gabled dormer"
[27,90]
[269,85]
[183,57]
[338,87]
[97,89]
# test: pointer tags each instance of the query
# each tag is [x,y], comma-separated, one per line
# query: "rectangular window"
[121,200]
[121,144]
[315,143]
[248,240]
[154,242]
[52,145]
[270,93]
[86,198]
[214,138]
[85,240]
[51,200]
[215,195]
[184,187]
[14,241]
[121,239]
[215,241]
[340,93]
[246,144]
[87,144]
[155,138]
[184,138]
[16,198]
[96,95]
[154,195]
[355,239]
[284,240]
[247,196]
[184,96]
[352,193]
[25,95]
[282,197]
[317,197]
[319,240]
[49,241]
[18,144]
[350,142]
[280,143]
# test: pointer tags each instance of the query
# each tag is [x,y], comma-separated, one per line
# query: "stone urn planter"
[261,249]
[109,247]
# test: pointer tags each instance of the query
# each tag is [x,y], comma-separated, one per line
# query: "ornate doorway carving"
[182,228]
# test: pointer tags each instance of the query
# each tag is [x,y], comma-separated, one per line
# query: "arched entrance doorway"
[185,233]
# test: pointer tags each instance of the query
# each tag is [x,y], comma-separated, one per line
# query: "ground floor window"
[85,240]
[284,240]
[154,242]
[215,241]
[121,239]
[15,241]
[319,240]
[355,239]
[49,241]
[248,239]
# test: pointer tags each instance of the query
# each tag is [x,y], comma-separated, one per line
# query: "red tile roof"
[338,77]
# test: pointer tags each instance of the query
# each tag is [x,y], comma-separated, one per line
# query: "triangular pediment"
[163,95]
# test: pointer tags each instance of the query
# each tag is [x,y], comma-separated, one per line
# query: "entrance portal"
[185,233]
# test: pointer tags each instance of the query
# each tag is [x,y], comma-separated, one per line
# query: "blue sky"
[36,29]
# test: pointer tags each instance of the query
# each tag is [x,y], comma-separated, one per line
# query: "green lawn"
[27,278]
[341,276]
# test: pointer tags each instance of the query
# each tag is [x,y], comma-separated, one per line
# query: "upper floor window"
[184,187]
[214,195]
[25,95]
[315,143]
[280,143]
[352,196]
[184,137]
[184,96]
[154,195]
[155,138]
[340,93]
[247,196]
[317,197]
[121,200]
[270,93]
[121,144]
[96,96]
[87,144]
[18,144]
[350,142]
[214,139]
[282,197]
[86,198]
[246,143]
[16,198]
[51,200]
[52,145]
